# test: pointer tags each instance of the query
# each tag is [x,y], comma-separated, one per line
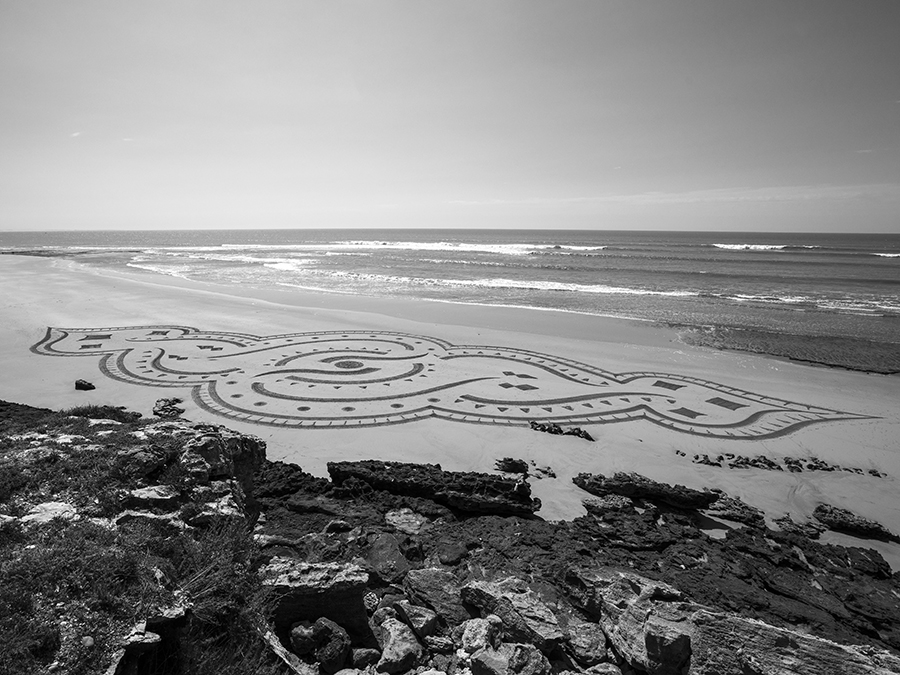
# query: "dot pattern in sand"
[372,378]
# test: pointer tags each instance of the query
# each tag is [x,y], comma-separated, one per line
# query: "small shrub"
[103,412]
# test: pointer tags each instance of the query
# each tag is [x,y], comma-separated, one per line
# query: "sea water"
[818,287]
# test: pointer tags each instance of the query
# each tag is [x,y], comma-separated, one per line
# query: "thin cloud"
[796,193]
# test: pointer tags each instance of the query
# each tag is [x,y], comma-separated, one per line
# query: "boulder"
[477,493]
[333,645]
[842,520]
[438,589]
[637,486]
[406,520]
[512,465]
[83,385]
[167,408]
[386,559]
[400,651]
[164,497]
[422,620]
[510,659]
[44,513]
[307,591]
[585,642]
[524,615]
[362,657]
[477,634]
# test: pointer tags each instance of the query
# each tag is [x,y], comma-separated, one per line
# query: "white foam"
[751,247]
[887,255]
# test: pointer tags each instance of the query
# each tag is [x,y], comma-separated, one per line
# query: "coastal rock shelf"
[363,379]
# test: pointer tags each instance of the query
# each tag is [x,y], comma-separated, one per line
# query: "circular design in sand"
[363,379]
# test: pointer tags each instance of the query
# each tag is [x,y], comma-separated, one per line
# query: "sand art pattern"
[363,379]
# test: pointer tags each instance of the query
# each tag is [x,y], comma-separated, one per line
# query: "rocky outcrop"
[524,616]
[167,408]
[842,520]
[308,591]
[438,589]
[635,486]
[468,492]
[736,510]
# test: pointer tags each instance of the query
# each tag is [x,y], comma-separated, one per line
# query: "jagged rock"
[439,590]
[640,487]
[729,644]
[139,462]
[601,506]
[222,509]
[400,651]
[421,619]
[307,591]
[303,638]
[645,621]
[465,491]
[167,408]
[510,659]
[732,508]
[476,634]
[605,591]
[44,513]
[386,560]
[525,617]
[809,528]
[155,496]
[439,644]
[84,385]
[512,465]
[842,520]
[332,645]
[406,520]
[586,642]
[217,452]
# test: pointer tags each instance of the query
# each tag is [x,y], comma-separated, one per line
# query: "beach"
[41,293]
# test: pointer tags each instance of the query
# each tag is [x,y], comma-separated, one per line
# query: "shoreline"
[847,353]
[62,293]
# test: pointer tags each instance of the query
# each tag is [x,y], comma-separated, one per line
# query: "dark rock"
[333,645]
[639,487]
[451,552]
[511,465]
[464,491]
[84,385]
[732,508]
[556,430]
[303,638]
[586,642]
[386,560]
[167,408]
[362,657]
[439,590]
[842,520]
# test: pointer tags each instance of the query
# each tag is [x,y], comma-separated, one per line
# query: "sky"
[768,115]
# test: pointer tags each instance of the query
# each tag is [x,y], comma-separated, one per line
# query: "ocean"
[825,298]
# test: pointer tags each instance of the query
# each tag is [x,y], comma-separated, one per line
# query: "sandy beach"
[40,293]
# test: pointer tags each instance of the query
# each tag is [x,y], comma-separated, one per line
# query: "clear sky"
[694,114]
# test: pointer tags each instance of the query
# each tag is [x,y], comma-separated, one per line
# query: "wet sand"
[41,293]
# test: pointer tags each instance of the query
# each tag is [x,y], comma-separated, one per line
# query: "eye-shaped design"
[348,365]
